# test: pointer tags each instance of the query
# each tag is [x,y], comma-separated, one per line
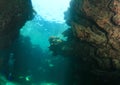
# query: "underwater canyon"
[92,41]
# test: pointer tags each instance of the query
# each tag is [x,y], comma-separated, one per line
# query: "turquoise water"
[30,61]
[39,30]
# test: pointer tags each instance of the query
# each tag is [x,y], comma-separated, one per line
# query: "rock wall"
[94,39]
[13,15]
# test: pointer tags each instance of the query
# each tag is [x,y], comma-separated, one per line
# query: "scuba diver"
[11,61]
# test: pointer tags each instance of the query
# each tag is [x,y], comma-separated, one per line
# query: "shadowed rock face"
[13,15]
[93,39]
[97,23]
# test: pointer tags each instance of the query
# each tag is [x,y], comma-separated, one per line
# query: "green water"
[29,61]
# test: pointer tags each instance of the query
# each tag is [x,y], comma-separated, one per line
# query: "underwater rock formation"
[93,39]
[13,15]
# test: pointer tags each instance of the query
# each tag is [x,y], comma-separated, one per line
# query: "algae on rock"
[94,39]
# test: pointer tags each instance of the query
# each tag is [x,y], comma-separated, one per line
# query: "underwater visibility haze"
[59,42]
[30,61]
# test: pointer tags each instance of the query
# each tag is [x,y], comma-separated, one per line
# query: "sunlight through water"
[48,21]
[38,66]
[51,10]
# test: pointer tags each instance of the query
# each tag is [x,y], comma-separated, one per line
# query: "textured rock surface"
[13,15]
[93,39]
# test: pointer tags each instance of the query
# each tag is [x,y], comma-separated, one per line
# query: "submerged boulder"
[13,15]
[93,40]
